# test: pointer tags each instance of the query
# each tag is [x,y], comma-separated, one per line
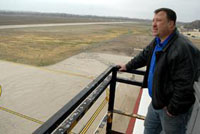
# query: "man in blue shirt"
[172,67]
[159,46]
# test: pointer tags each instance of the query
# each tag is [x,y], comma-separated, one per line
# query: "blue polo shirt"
[159,47]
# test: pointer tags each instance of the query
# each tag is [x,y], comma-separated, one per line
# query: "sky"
[187,10]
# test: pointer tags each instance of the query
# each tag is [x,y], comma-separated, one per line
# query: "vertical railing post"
[111,101]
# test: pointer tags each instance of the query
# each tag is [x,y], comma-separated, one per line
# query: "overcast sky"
[187,10]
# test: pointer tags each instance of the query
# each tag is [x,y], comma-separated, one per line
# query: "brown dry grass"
[45,46]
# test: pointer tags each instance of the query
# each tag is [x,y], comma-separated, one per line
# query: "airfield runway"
[60,24]
[31,95]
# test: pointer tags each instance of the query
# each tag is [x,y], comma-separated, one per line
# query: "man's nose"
[154,24]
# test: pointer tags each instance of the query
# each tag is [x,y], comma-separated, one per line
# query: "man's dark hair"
[171,15]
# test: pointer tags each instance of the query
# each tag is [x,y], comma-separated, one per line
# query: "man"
[171,62]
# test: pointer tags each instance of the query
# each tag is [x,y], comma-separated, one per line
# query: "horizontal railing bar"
[128,81]
[138,72]
[50,125]
[133,71]
[141,117]
[67,125]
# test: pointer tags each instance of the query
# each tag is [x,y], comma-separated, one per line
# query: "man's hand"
[122,67]
[170,115]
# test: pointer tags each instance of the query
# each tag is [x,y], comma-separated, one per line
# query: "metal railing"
[67,117]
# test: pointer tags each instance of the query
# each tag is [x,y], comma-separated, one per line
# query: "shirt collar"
[158,41]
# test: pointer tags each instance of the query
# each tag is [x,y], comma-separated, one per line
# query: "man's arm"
[140,60]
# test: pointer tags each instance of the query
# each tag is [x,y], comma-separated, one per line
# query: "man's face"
[161,26]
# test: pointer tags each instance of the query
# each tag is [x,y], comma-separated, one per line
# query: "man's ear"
[171,24]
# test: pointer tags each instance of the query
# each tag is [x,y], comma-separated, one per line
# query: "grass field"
[49,45]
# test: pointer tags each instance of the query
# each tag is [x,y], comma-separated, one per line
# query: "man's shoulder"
[182,39]
[183,47]
[182,42]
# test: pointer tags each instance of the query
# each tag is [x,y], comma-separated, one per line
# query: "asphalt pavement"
[31,95]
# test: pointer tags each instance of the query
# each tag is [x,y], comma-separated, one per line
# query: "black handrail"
[67,117]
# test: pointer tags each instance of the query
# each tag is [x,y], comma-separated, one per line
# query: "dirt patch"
[122,45]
